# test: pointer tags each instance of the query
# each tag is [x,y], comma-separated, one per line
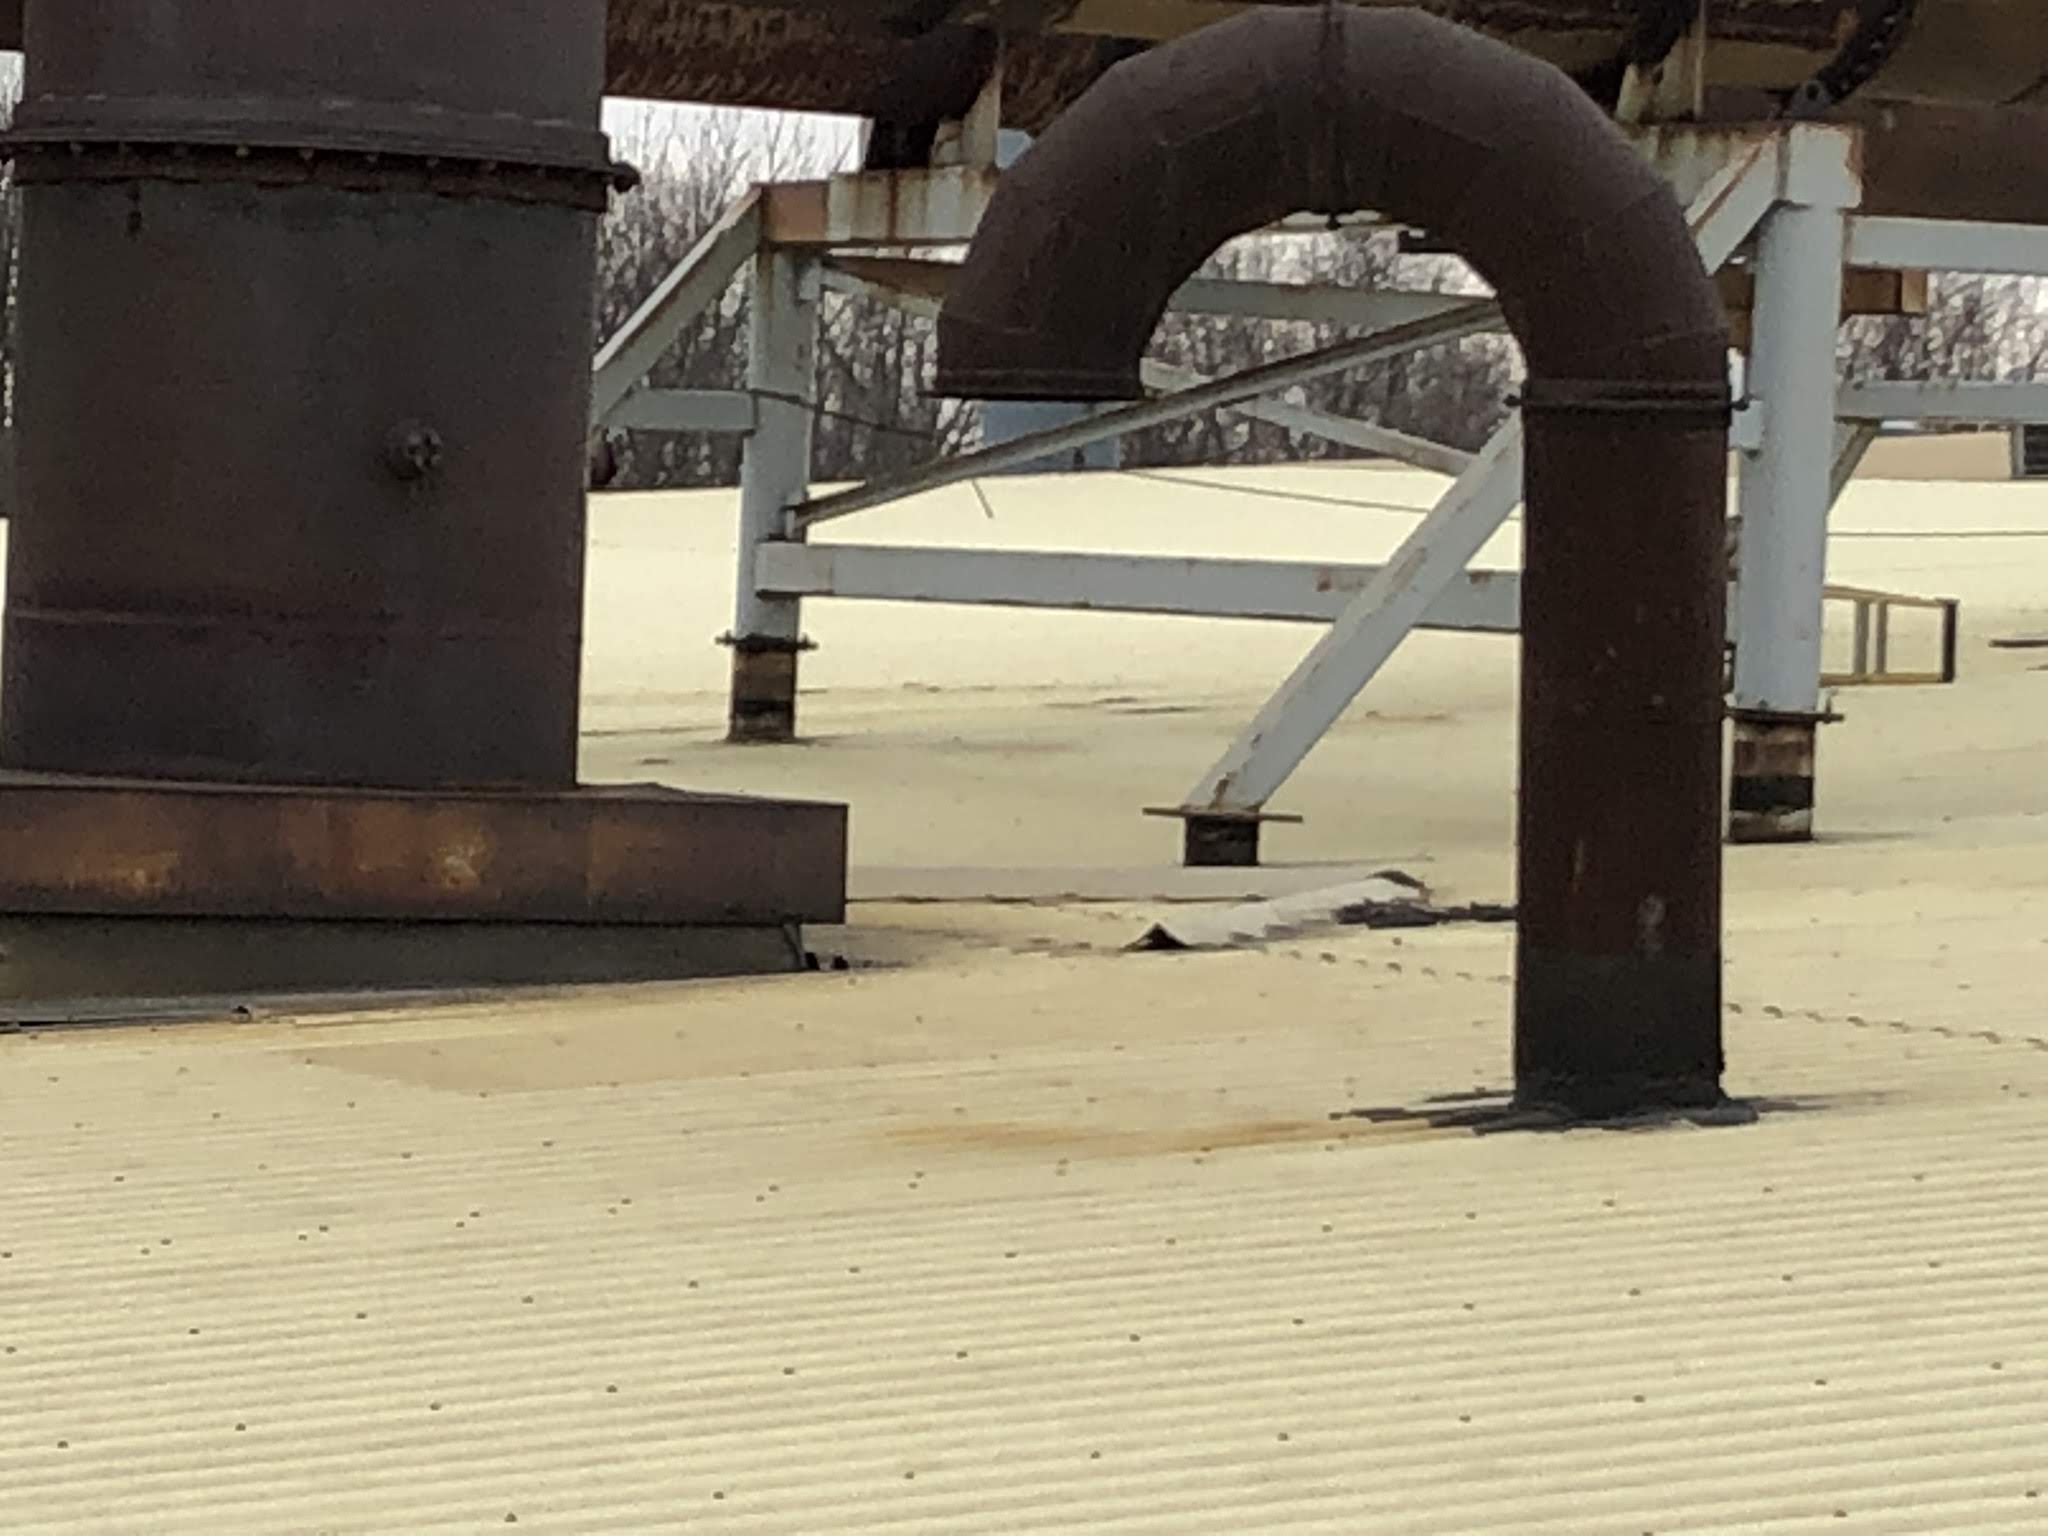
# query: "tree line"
[874,414]
[874,361]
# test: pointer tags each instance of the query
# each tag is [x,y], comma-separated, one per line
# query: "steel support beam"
[1175,586]
[1469,319]
[915,287]
[695,284]
[1942,245]
[1946,401]
[775,471]
[1314,303]
[1733,198]
[920,285]
[1730,177]
[1853,441]
[1283,590]
[1787,485]
[685,410]
[1365,436]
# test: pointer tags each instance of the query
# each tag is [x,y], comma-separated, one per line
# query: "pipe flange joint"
[767,645]
[1786,717]
[358,146]
[1708,404]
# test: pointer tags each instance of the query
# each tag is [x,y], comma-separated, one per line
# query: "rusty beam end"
[1221,842]
[763,710]
[1770,792]
[1217,838]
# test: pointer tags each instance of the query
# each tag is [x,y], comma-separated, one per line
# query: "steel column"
[1787,488]
[1978,404]
[1949,245]
[775,473]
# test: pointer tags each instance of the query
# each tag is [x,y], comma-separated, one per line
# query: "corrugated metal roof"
[1016,1243]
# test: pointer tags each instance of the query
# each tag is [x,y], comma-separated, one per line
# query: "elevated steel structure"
[1819,180]
[328,650]
[1941,87]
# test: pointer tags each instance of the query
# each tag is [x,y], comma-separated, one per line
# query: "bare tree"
[1453,394]
[874,411]
[691,171]
[1975,328]
[875,363]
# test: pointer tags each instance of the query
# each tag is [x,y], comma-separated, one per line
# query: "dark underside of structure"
[892,58]
[1953,93]
[874,56]
[1948,87]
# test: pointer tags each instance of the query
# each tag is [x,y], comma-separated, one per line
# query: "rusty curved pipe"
[1618,990]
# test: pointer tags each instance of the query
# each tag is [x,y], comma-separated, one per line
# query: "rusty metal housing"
[329,273]
[343,540]
[1618,1002]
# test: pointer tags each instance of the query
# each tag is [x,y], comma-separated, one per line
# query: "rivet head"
[413,450]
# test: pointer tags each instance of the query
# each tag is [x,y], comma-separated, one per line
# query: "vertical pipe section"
[1004,421]
[775,473]
[1618,965]
[1787,488]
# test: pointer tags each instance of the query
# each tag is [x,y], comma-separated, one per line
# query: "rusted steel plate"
[615,855]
